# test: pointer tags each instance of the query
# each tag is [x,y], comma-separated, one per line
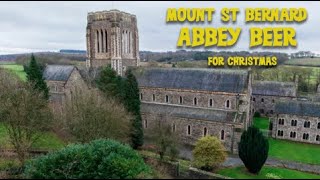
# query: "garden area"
[267,172]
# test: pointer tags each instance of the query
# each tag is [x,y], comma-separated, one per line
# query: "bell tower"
[112,38]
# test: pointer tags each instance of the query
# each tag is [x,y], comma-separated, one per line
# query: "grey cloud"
[34,26]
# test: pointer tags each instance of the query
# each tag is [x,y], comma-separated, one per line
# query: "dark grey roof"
[274,88]
[188,112]
[218,80]
[298,108]
[58,72]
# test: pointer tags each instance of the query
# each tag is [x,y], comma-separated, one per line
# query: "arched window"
[318,125]
[210,102]
[167,98]
[306,124]
[153,97]
[262,100]
[145,124]
[180,100]
[173,127]
[102,40]
[205,131]
[106,40]
[227,104]
[222,135]
[254,99]
[189,130]
[305,136]
[318,138]
[98,44]
[141,97]
[293,134]
[195,101]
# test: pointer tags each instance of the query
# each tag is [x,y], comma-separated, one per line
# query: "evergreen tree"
[34,75]
[253,149]
[110,83]
[132,104]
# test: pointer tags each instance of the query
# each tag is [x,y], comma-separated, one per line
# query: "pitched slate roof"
[58,72]
[188,112]
[301,108]
[218,80]
[274,88]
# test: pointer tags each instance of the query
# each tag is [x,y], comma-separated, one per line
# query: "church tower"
[112,38]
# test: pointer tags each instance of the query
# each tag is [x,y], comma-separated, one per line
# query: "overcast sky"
[51,26]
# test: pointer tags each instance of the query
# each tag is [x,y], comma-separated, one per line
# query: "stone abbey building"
[112,38]
[194,102]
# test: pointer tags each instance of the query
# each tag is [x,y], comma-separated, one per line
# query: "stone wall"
[313,131]
[197,127]
[265,105]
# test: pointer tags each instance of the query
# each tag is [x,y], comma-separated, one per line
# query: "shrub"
[208,153]
[95,160]
[253,149]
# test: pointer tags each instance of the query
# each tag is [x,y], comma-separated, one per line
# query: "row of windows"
[305,136]
[306,124]
[262,100]
[195,100]
[205,130]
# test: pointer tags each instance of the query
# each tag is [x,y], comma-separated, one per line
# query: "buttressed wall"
[112,38]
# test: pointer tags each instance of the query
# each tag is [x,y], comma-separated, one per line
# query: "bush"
[96,160]
[208,153]
[257,114]
[253,149]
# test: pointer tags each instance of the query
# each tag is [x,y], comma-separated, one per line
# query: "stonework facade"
[112,38]
[297,121]
[212,104]
[62,80]
[265,94]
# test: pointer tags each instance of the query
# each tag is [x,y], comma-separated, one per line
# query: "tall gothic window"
[222,135]
[227,104]
[195,101]
[167,98]
[106,40]
[98,44]
[205,131]
[180,100]
[189,130]
[210,102]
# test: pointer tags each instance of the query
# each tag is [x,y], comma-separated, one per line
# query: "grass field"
[261,123]
[17,69]
[266,173]
[304,62]
[47,140]
[294,151]
[289,150]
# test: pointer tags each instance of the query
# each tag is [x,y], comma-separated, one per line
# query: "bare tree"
[165,137]
[24,111]
[89,115]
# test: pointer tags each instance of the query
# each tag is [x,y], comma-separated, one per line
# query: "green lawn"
[266,173]
[47,140]
[261,122]
[294,151]
[17,69]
